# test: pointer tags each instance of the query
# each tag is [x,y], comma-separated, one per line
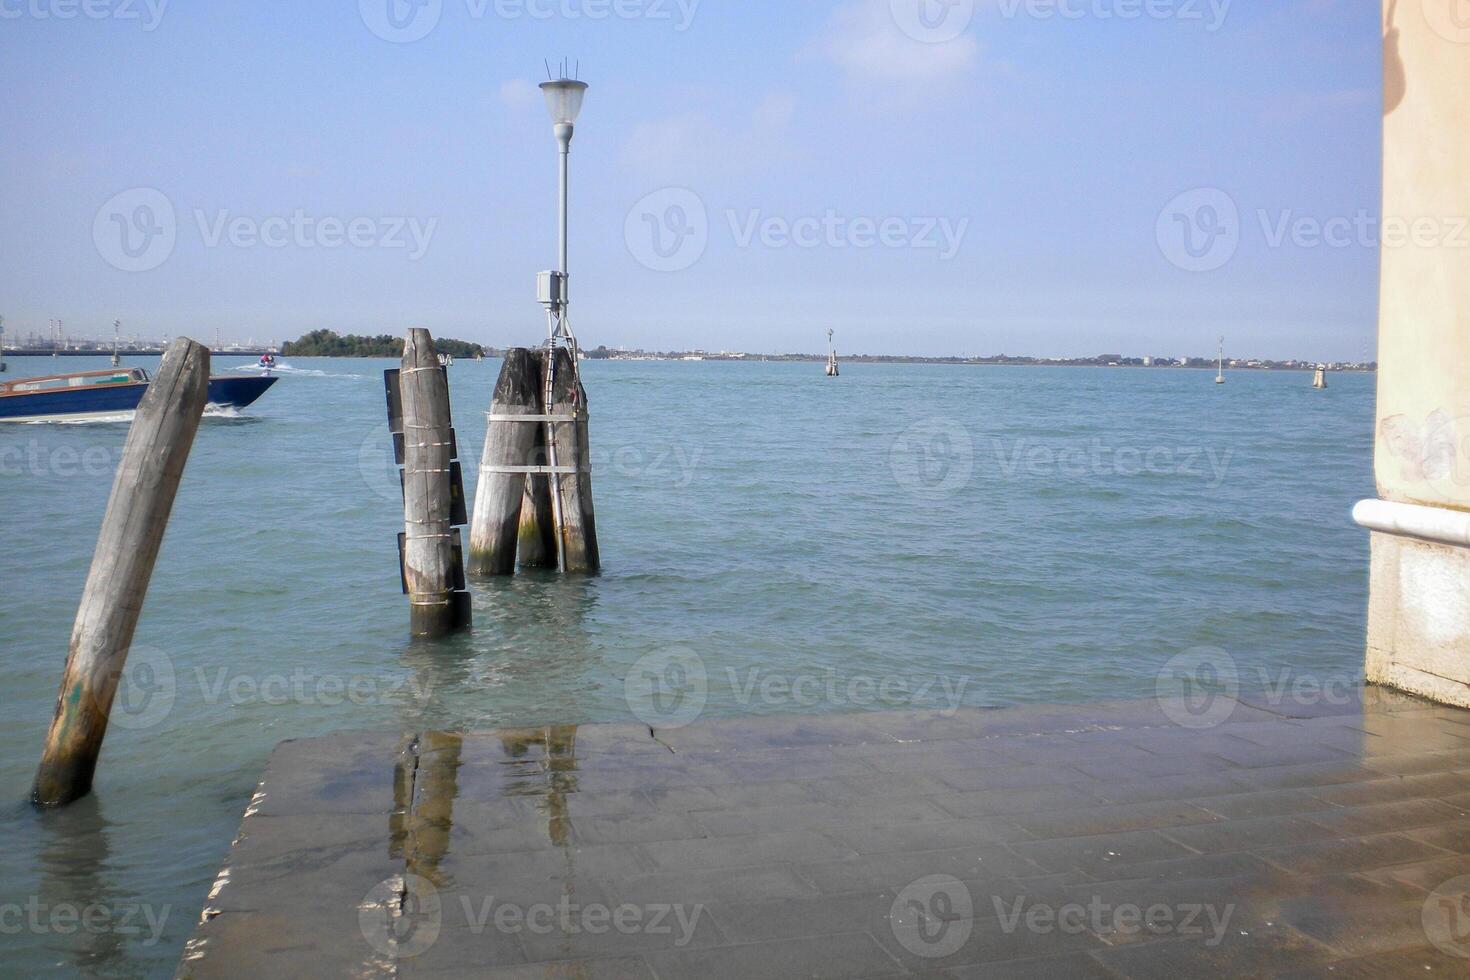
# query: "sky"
[933,177]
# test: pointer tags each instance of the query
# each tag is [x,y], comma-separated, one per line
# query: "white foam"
[298,372]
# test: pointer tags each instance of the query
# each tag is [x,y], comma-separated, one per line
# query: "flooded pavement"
[1126,839]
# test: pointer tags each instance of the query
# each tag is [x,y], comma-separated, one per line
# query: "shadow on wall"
[1394,81]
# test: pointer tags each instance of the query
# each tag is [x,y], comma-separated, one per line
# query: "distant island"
[327,343]
[1100,360]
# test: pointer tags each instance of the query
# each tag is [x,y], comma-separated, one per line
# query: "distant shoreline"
[493,353]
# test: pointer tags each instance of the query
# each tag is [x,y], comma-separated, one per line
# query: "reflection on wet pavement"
[1103,840]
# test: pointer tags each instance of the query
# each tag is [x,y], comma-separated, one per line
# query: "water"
[904,534]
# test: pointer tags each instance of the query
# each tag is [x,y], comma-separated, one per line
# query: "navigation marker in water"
[431,559]
[535,489]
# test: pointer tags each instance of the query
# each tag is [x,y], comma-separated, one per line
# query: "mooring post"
[570,456]
[143,492]
[431,572]
[510,441]
[537,544]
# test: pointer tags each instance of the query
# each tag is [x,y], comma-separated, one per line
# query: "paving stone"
[338,777]
[709,887]
[1102,855]
[865,838]
[992,937]
[1142,763]
[632,828]
[572,860]
[1190,867]
[1239,835]
[1075,966]
[1420,961]
[622,929]
[1386,817]
[1357,854]
[850,790]
[1014,777]
[1281,754]
[988,802]
[1265,803]
[1195,786]
[290,945]
[612,968]
[1091,821]
[848,955]
[747,851]
[1453,836]
[1244,956]
[1408,762]
[1311,774]
[1425,875]
[928,756]
[799,918]
[1359,928]
[814,816]
[745,795]
[1391,789]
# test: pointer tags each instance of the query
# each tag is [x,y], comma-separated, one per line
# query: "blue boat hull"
[117,401]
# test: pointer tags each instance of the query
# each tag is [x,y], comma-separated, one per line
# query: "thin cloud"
[672,148]
[865,40]
[517,93]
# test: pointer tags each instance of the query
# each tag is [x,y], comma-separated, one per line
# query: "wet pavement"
[1108,840]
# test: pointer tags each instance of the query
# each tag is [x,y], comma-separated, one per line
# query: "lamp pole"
[564,101]
[564,140]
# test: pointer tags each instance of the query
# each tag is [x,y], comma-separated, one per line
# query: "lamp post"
[564,102]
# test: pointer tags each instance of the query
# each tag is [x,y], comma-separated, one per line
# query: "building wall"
[1419,611]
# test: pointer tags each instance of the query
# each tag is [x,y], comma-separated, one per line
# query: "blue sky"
[1002,176]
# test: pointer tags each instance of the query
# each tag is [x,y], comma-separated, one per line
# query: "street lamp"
[564,102]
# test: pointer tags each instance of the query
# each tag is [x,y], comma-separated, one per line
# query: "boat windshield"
[91,379]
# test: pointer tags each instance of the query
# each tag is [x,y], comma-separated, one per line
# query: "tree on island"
[327,343]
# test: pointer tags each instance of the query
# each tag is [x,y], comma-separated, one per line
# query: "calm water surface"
[906,534]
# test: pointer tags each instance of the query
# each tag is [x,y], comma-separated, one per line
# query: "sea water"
[773,541]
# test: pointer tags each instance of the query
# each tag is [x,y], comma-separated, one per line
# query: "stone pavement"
[1094,841]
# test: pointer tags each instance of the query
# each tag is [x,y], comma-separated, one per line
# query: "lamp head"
[564,99]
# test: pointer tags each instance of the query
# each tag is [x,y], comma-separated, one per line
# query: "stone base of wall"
[1419,615]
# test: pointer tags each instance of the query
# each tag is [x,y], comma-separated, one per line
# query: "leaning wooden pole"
[510,442]
[568,445]
[429,564]
[537,545]
[143,494]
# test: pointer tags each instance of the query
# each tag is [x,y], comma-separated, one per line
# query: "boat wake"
[211,411]
[298,372]
[89,420]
